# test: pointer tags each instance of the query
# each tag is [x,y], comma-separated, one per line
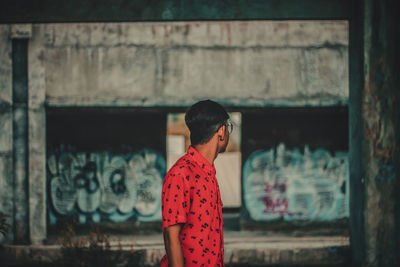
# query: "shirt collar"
[201,161]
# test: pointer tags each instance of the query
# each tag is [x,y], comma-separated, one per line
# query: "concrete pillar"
[29,135]
[357,187]
[376,202]
[6,144]
[20,139]
[37,137]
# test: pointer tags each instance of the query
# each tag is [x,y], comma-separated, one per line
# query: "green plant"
[93,249]
[4,226]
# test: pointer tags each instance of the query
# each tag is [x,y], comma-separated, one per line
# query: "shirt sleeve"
[175,200]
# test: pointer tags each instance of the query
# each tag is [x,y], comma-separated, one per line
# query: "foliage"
[93,249]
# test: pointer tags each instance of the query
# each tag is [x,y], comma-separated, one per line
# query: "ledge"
[250,248]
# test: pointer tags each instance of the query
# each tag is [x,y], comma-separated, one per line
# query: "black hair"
[204,119]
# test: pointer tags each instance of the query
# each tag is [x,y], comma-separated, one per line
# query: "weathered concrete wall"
[37,138]
[6,125]
[253,63]
[29,191]
[380,115]
[20,140]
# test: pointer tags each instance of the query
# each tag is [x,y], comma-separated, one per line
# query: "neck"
[209,151]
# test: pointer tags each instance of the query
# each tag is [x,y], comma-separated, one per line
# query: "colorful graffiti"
[286,184]
[101,186]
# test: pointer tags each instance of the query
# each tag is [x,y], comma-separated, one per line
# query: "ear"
[221,131]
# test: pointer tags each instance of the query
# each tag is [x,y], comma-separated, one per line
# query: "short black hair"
[203,120]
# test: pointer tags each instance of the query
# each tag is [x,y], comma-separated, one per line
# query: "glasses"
[228,125]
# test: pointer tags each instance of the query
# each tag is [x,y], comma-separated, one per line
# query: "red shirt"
[191,195]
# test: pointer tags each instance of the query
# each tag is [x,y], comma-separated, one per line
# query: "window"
[228,164]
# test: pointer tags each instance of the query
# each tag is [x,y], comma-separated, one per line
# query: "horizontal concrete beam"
[252,63]
[195,34]
[240,248]
[325,101]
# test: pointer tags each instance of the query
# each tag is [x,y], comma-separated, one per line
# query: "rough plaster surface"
[6,131]
[107,72]
[238,63]
[199,34]
[381,151]
[5,65]
[6,191]
[20,31]
[37,174]
[6,162]
[36,67]
[37,137]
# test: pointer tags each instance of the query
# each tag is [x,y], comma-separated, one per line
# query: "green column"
[380,117]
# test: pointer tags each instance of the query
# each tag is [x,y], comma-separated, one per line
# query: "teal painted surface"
[380,134]
[294,186]
[20,141]
[18,11]
[103,186]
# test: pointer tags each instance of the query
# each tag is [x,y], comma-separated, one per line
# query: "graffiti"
[102,186]
[274,200]
[290,185]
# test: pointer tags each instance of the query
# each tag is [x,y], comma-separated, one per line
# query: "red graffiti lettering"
[274,203]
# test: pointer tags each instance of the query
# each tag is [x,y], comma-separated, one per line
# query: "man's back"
[191,201]
[191,197]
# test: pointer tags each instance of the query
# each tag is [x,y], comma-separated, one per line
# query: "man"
[191,200]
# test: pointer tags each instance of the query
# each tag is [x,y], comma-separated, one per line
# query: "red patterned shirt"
[191,195]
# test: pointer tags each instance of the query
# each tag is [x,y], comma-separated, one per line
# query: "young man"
[191,200]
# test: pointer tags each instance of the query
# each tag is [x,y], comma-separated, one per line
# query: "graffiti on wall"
[102,186]
[290,185]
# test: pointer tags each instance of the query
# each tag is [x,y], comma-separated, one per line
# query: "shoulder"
[181,165]
[180,168]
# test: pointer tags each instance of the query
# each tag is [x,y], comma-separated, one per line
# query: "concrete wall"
[374,233]
[6,125]
[380,117]
[242,64]
[252,63]
[29,215]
